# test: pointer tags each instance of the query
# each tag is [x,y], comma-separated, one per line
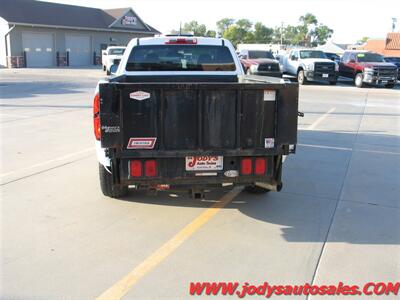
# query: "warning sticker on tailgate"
[139,95]
[142,143]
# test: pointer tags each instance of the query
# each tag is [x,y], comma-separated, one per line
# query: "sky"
[350,19]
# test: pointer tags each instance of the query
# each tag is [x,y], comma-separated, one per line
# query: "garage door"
[39,49]
[79,50]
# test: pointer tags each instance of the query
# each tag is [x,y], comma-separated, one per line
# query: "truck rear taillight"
[246,166]
[150,168]
[260,166]
[135,168]
[181,41]
[96,116]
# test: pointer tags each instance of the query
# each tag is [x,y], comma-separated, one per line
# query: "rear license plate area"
[204,163]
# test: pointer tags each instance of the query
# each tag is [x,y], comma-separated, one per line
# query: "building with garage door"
[44,34]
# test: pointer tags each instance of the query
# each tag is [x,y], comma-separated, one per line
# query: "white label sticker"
[269,143]
[141,143]
[231,173]
[139,95]
[269,95]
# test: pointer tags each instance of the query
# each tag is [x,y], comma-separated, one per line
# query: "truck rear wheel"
[255,189]
[301,77]
[358,80]
[108,188]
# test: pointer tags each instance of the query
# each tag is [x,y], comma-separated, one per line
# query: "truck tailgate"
[192,117]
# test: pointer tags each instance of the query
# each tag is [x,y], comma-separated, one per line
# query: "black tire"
[254,189]
[358,80]
[390,85]
[108,72]
[301,77]
[108,188]
[104,68]
[332,82]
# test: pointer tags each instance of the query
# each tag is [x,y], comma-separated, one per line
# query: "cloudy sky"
[350,19]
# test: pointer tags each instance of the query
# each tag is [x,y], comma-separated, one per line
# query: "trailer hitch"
[300,114]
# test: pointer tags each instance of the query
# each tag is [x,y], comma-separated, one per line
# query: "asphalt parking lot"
[336,219]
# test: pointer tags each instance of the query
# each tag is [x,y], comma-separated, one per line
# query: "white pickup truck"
[111,56]
[179,112]
[309,65]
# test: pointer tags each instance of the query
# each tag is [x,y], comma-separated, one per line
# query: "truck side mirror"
[113,69]
[293,57]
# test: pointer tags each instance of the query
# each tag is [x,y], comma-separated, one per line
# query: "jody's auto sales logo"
[128,20]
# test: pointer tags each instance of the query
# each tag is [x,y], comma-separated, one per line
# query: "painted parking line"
[122,286]
[320,119]
[47,162]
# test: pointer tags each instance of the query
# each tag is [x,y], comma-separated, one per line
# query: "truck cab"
[179,112]
[111,56]
[366,67]
[259,62]
[310,65]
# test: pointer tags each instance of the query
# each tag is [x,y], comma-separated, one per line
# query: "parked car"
[111,56]
[367,68]
[396,61]
[180,111]
[309,65]
[260,62]
[333,56]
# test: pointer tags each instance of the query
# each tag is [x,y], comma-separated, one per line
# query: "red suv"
[367,68]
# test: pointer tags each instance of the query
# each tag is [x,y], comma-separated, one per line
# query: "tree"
[244,24]
[363,40]
[308,19]
[262,34]
[240,32]
[195,28]
[321,34]
[308,33]
[211,33]
[224,24]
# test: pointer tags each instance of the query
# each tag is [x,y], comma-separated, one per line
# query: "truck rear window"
[180,58]
[117,51]
[260,54]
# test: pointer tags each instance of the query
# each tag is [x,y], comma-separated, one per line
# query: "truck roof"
[199,40]
[116,47]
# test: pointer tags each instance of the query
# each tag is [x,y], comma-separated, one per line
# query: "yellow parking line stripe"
[121,287]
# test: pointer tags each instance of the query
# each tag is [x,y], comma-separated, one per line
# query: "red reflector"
[150,168]
[261,166]
[135,167]
[96,104]
[246,166]
[96,117]
[97,129]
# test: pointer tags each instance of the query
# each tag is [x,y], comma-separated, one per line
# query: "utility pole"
[281,33]
[394,21]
